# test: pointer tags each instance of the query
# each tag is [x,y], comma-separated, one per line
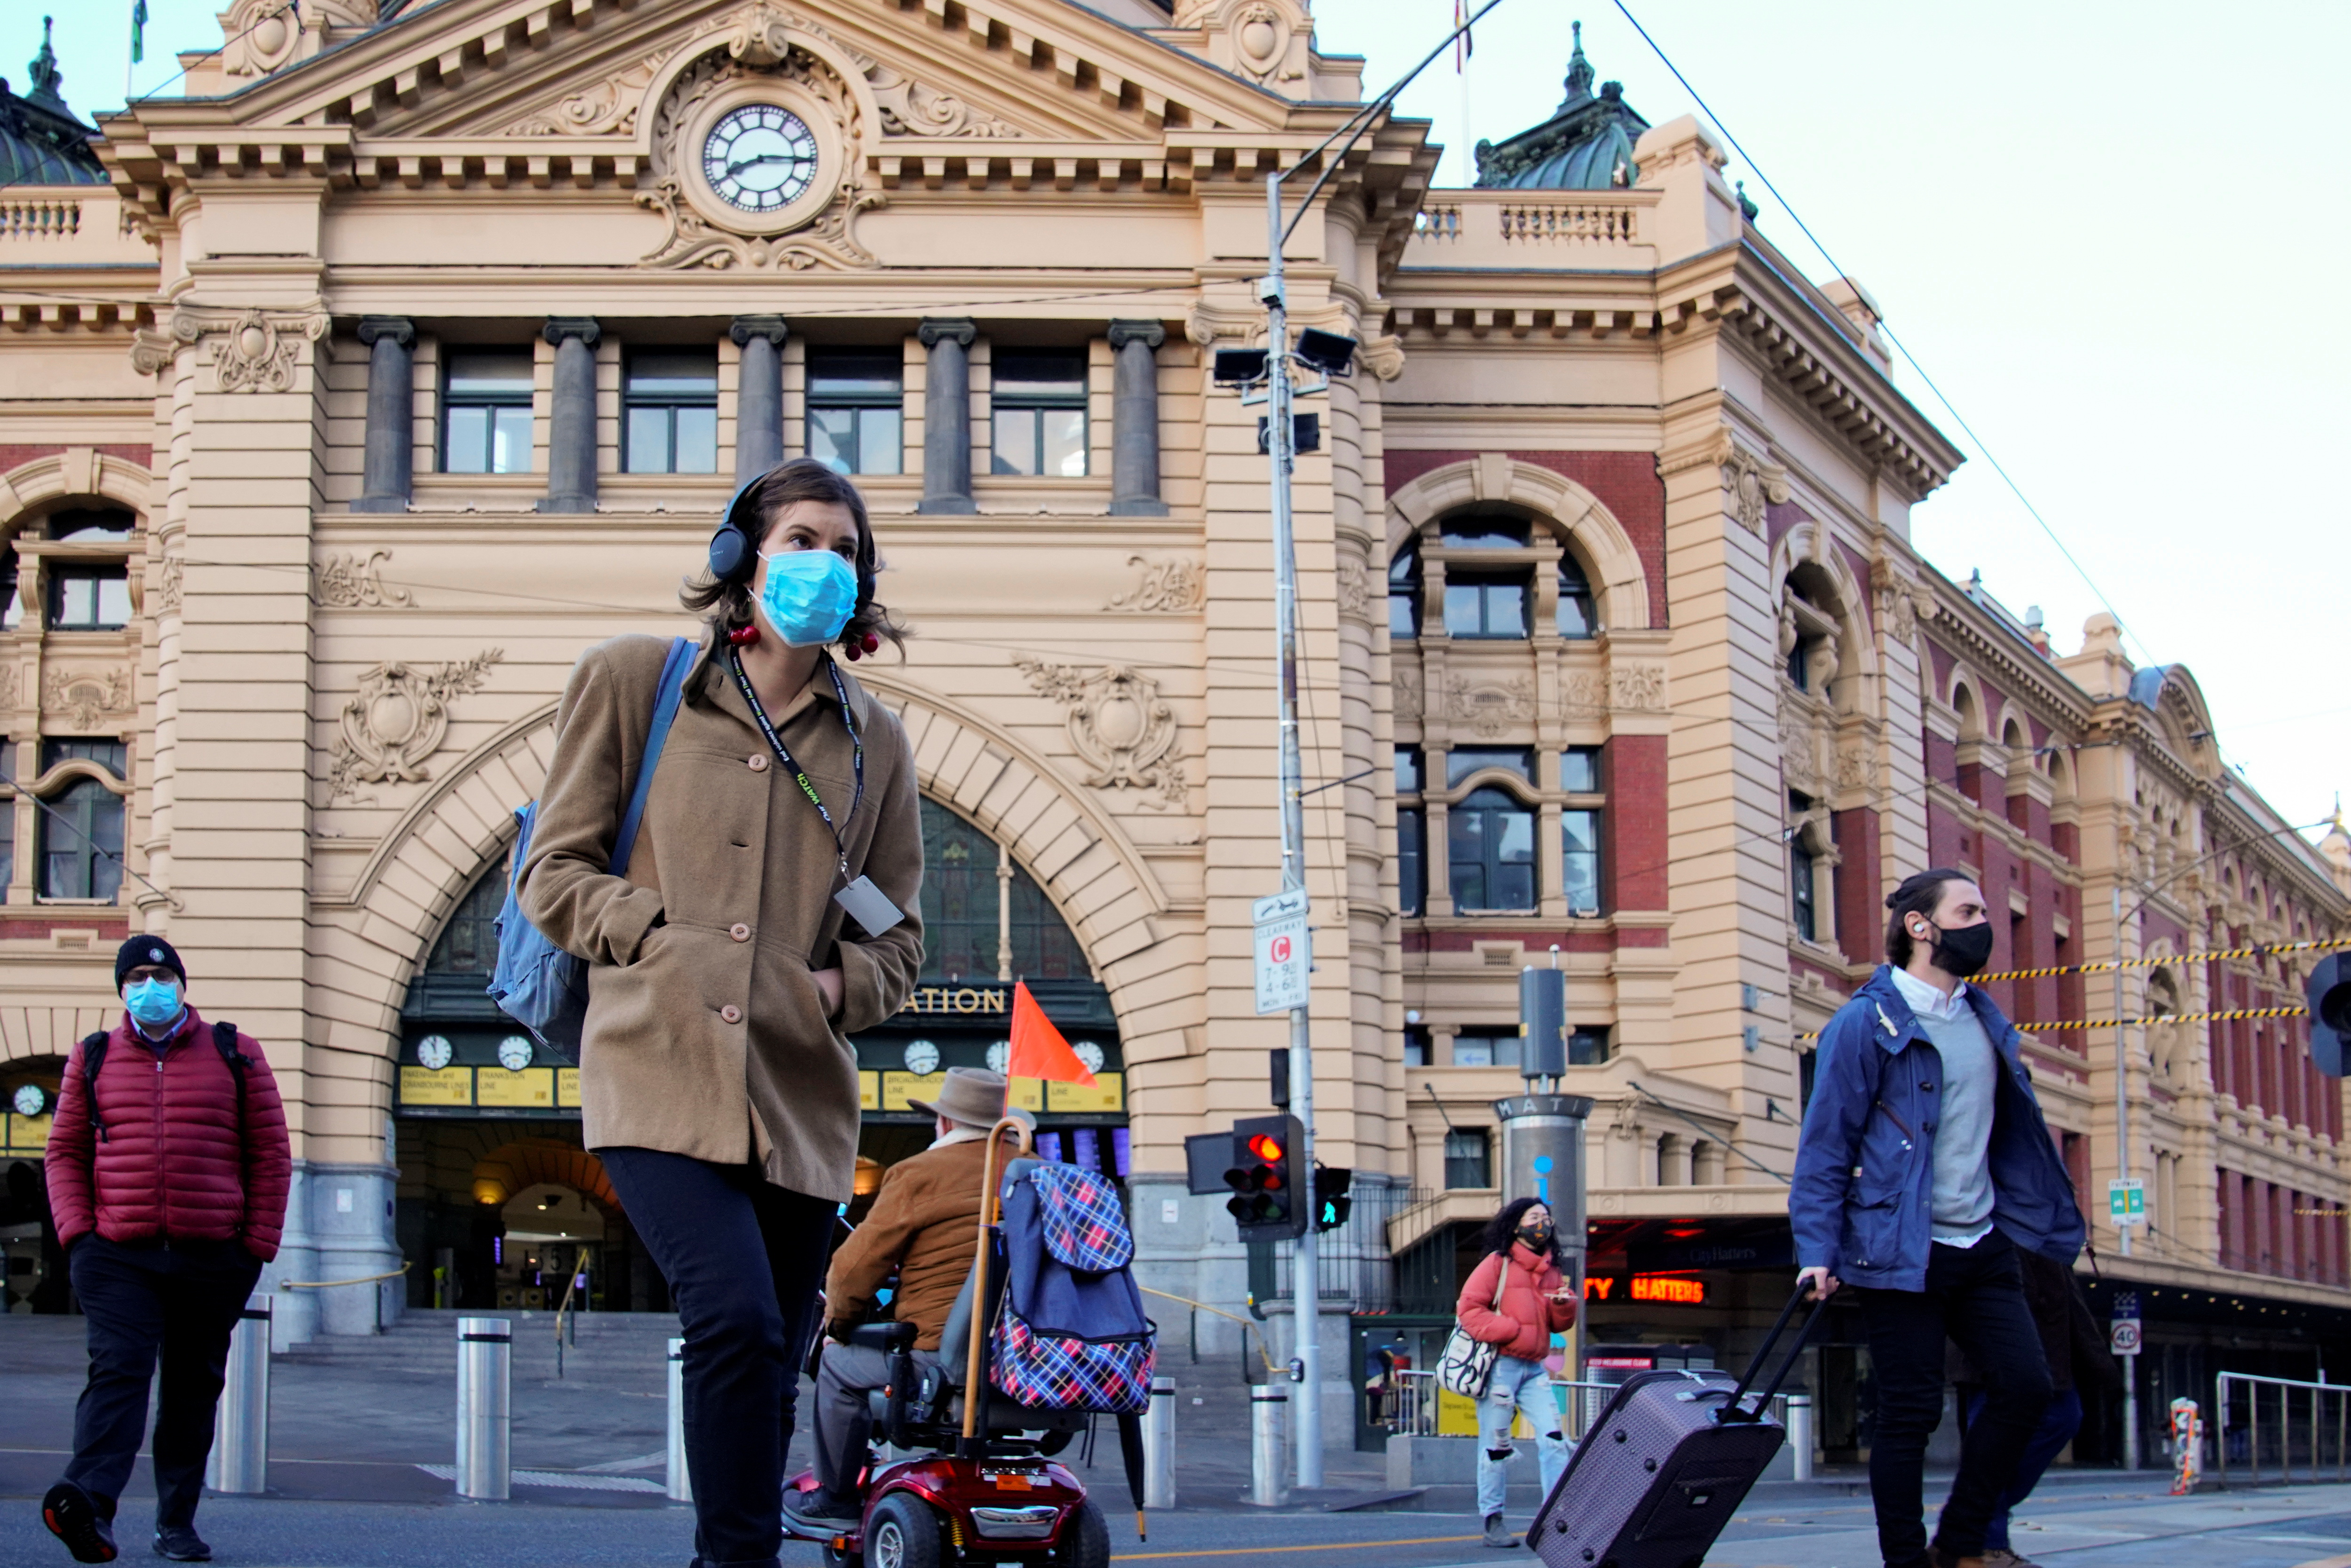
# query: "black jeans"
[711,1228]
[178,1302]
[1975,1296]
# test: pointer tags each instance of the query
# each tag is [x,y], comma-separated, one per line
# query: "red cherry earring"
[872,644]
[744,636]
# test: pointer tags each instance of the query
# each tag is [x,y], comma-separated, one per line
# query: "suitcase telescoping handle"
[1734,1409]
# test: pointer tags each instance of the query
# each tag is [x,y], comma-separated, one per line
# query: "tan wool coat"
[706,1033]
[924,1224]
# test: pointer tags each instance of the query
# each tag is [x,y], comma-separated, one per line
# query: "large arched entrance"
[487,1120]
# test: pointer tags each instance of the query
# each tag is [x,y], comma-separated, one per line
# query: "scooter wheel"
[1085,1539]
[834,1557]
[902,1532]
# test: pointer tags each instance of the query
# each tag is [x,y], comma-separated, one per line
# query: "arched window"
[468,945]
[1490,837]
[1578,619]
[1403,593]
[969,921]
[81,835]
[87,592]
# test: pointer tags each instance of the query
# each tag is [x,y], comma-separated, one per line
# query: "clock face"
[1088,1053]
[921,1058]
[514,1053]
[31,1100]
[759,157]
[999,1056]
[434,1051]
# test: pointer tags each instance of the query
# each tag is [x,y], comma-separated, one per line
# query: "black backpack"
[93,1057]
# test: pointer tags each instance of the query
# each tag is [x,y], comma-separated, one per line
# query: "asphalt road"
[2082,1526]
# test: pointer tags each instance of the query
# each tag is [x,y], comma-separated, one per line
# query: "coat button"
[759,761]
[740,932]
[731,1013]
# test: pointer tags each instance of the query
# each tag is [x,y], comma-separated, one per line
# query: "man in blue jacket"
[1923,1169]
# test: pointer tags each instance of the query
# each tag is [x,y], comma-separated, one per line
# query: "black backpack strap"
[224,1041]
[93,1057]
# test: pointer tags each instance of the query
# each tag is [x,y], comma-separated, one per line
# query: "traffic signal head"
[2329,997]
[1266,1202]
[1332,1204]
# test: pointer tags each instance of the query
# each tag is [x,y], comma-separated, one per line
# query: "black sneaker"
[181,1543]
[73,1517]
[820,1512]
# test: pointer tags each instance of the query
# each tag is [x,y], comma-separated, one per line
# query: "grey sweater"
[1963,1195]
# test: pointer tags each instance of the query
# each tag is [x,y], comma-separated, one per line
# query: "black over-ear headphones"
[734,547]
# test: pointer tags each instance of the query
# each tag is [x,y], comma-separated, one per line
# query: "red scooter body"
[991,1510]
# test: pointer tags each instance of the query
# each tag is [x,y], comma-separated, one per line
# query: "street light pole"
[1280,441]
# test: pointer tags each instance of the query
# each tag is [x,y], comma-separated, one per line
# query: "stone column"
[1135,421]
[571,424]
[946,416]
[391,414]
[759,395]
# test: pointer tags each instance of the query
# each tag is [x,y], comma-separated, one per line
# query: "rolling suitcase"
[1664,1465]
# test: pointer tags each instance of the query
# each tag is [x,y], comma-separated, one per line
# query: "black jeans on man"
[710,1229]
[1974,1296]
[174,1302]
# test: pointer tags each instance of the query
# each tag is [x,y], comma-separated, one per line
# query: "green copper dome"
[41,143]
[1585,145]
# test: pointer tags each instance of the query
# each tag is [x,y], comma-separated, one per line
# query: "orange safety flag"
[1037,1049]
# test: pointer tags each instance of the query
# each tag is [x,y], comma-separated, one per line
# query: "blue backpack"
[537,983]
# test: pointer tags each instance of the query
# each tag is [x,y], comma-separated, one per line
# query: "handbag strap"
[671,691]
[1501,1280]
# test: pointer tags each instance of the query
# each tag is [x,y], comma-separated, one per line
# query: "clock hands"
[735,169]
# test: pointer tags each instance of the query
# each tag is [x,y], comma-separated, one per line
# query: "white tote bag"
[1469,1364]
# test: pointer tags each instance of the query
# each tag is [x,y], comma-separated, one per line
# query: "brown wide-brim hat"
[973,1096]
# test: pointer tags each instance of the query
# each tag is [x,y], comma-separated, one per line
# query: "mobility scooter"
[981,1485]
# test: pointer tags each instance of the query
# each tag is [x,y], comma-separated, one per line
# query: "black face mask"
[1536,1237]
[1963,952]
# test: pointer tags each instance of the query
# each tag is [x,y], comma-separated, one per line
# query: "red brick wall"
[16,456]
[1625,482]
[1860,912]
[1633,871]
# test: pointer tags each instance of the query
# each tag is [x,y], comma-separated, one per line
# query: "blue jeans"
[2058,1425]
[1518,1386]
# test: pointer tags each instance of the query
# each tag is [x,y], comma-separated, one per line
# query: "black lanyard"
[799,775]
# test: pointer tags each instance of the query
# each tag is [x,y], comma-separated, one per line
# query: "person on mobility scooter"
[1046,1331]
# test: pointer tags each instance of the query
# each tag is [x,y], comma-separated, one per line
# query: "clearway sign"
[1285,951]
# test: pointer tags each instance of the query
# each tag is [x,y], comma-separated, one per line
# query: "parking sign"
[1285,951]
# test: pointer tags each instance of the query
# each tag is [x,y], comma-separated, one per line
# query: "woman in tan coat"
[769,910]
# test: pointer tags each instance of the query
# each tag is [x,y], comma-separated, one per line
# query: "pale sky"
[2112,232]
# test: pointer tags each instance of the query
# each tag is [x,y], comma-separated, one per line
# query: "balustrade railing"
[39,219]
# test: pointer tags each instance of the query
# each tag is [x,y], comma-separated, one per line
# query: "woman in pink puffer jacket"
[1515,1300]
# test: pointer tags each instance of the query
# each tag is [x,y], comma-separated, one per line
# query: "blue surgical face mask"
[808,596]
[152,1002]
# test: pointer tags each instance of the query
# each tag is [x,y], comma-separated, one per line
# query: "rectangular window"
[1490,837]
[1407,770]
[1412,860]
[1468,1162]
[1579,770]
[1403,593]
[1486,607]
[856,400]
[669,409]
[1577,619]
[1484,1048]
[1463,761]
[1579,876]
[85,596]
[485,414]
[1587,1047]
[1415,1046]
[1800,890]
[1039,410]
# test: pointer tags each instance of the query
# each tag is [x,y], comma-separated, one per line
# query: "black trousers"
[176,1302]
[746,1260]
[1975,1296]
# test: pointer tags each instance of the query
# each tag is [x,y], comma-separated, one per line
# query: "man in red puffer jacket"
[167,1169]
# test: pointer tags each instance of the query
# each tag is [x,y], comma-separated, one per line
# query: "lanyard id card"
[860,899]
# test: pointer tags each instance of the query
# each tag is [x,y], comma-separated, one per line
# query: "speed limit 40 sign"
[2125,1336]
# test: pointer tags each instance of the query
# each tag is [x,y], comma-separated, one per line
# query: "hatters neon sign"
[1679,1289]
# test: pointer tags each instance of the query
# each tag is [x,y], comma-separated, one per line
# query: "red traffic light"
[1266,1147]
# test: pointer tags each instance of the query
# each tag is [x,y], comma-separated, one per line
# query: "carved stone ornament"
[253,350]
[1753,484]
[399,718]
[265,36]
[1637,688]
[1120,724]
[1204,323]
[1897,610]
[86,696]
[344,581]
[169,582]
[764,55]
[1490,708]
[910,108]
[1583,692]
[1382,356]
[1261,38]
[607,108]
[1354,587]
[1409,699]
[1176,586]
[12,683]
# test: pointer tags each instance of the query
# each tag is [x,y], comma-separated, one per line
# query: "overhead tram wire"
[1912,359]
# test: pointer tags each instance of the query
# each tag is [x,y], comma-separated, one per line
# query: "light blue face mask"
[808,596]
[152,1002]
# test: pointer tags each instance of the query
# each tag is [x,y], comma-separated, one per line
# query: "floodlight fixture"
[1239,367]
[1327,351]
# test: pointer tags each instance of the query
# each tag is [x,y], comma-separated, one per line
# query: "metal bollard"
[1800,1434]
[1159,1445]
[484,1389]
[240,1456]
[1268,1484]
[681,1480]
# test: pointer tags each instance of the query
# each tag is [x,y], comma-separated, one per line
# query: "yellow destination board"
[1108,1094]
[898,1087]
[531,1089]
[567,1087]
[868,1092]
[1027,1093]
[425,1086]
[28,1134]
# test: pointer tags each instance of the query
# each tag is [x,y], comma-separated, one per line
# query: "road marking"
[1318,1546]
